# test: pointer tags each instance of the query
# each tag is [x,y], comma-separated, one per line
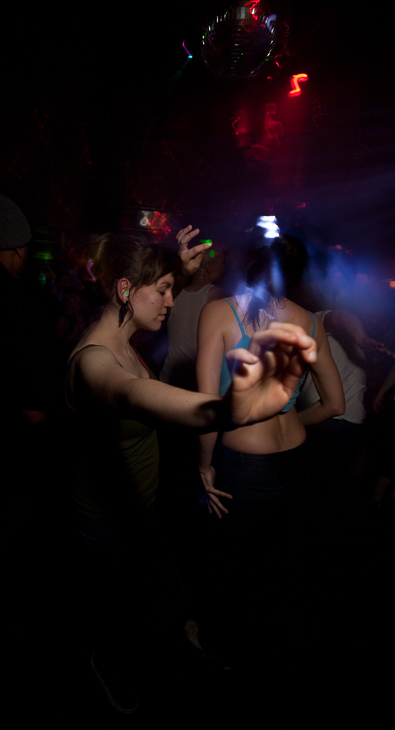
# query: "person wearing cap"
[27,369]
[15,235]
[30,493]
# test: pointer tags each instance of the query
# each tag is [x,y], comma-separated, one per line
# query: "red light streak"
[234,124]
[158,222]
[295,79]
[253,4]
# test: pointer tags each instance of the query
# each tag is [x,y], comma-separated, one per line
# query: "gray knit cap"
[14,229]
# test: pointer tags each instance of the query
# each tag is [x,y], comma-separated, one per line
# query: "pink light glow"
[89,269]
[234,124]
[186,50]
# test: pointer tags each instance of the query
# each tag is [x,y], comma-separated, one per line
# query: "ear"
[209,266]
[123,289]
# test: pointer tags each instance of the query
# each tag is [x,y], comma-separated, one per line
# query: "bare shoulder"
[96,376]
[216,319]
[288,311]
[90,352]
[216,309]
[94,361]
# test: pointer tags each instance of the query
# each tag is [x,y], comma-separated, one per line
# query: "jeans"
[261,484]
[257,560]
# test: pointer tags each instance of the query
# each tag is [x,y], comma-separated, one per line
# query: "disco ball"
[240,42]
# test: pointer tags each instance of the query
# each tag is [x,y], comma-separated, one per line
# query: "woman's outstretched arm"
[262,383]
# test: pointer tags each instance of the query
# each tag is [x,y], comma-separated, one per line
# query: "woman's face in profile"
[150,303]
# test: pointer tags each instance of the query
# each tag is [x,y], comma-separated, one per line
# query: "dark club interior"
[146,120]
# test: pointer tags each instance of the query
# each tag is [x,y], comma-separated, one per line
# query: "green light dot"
[43,255]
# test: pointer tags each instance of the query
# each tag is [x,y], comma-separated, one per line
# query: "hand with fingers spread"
[214,504]
[266,375]
[190,257]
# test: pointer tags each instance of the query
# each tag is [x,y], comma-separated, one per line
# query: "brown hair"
[132,256]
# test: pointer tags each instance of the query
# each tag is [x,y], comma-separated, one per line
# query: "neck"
[198,282]
[109,325]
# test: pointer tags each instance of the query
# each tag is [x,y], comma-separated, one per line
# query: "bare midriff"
[280,433]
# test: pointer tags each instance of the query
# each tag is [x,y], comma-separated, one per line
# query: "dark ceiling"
[103,114]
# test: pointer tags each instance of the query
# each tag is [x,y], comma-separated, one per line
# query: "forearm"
[317,413]
[206,445]
[341,322]
[387,383]
[153,401]
[330,400]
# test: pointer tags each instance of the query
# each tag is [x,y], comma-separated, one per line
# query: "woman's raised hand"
[190,257]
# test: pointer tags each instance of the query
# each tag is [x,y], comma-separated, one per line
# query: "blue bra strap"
[236,315]
[313,332]
[242,328]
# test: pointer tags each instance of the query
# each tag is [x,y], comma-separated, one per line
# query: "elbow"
[338,408]
[333,407]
